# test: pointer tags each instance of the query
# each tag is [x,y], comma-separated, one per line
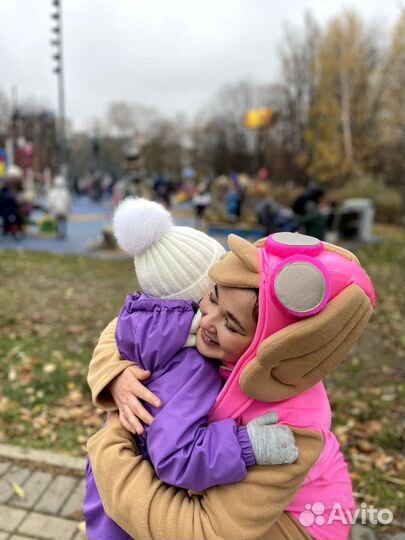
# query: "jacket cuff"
[246,446]
[102,399]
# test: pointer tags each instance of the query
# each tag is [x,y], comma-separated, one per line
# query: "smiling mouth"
[207,339]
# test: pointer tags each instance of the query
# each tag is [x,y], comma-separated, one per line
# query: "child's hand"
[127,391]
[271,444]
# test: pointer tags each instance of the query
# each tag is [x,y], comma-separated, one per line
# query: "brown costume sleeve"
[105,365]
[148,509]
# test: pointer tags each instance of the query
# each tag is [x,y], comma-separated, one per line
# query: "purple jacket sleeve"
[151,331]
[186,451]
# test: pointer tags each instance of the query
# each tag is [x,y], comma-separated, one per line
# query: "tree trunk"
[345,116]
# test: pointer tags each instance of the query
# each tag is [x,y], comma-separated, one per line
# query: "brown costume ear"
[239,267]
[261,242]
[245,251]
[300,355]
[341,251]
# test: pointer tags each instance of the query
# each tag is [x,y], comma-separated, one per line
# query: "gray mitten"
[272,445]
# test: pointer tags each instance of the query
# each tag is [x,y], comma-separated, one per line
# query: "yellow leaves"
[12,374]
[5,404]
[18,490]
[82,528]
[394,480]
[365,446]
[74,413]
[373,427]
[76,329]
[400,466]
[69,292]
[49,368]
[345,119]
[57,356]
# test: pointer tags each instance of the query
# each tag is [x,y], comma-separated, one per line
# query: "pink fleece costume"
[285,298]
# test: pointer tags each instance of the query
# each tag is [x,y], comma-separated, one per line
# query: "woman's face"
[227,326]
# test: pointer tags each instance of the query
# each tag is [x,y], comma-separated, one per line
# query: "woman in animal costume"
[314,302]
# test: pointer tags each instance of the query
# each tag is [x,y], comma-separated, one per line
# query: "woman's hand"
[113,418]
[127,391]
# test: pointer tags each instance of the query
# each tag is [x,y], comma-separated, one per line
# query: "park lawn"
[52,309]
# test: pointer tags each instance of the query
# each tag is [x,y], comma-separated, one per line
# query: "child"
[314,302]
[172,265]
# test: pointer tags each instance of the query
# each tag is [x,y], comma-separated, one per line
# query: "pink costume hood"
[315,300]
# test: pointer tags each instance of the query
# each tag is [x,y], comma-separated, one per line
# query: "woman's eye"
[212,299]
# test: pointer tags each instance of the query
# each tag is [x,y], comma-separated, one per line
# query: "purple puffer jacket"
[184,450]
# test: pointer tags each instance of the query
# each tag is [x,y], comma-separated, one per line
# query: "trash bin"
[356,220]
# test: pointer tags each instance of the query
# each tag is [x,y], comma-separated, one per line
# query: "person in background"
[233,202]
[9,212]
[59,205]
[274,217]
[309,217]
[162,191]
[201,200]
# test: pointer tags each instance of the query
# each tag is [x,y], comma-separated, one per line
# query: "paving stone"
[33,488]
[4,536]
[14,474]
[18,537]
[52,460]
[48,527]
[80,536]
[56,494]
[10,518]
[4,465]
[74,505]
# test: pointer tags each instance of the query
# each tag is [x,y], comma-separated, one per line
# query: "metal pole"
[61,92]
[60,71]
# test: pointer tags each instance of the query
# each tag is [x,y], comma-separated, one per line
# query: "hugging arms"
[310,316]
[147,508]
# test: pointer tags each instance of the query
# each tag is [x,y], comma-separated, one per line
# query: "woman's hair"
[255,311]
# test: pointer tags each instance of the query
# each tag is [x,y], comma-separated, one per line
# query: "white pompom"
[139,223]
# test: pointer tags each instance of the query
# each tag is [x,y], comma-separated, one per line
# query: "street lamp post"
[58,69]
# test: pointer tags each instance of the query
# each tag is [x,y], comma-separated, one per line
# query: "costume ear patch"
[285,244]
[301,354]
[301,287]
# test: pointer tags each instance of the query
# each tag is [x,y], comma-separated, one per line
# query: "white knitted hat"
[171,262]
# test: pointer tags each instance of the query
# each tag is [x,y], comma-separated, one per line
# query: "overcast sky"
[169,54]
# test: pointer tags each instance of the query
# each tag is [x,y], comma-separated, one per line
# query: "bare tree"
[4,113]
[129,120]
[300,68]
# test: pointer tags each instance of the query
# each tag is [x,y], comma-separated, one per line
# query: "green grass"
[53,308]
[367,392]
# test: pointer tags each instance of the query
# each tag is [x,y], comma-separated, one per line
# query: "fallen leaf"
[18,490]
[397,481]
[12,374]
[49,368]
[365,446]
